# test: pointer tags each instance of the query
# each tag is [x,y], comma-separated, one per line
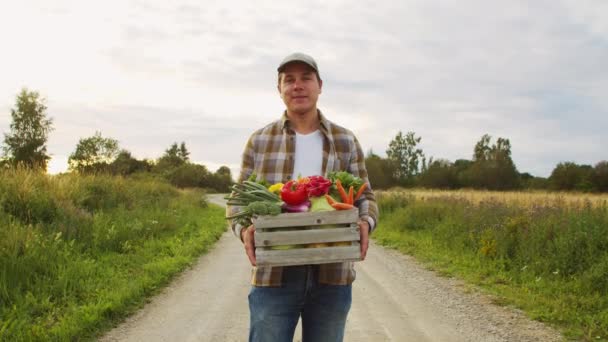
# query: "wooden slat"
[295,237]
[307,219]
[307,256]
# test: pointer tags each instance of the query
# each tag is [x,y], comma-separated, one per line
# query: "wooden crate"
[302,229]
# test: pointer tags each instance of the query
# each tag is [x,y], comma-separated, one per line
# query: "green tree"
[403,152]
[189,175]
[441,174]
[125,164]
[600,176]
[380,171]
[221,180]
[483,150]
[25,144]
[492,166]
[183,152]
[93,154]
[461,169]
[570,176]
[533,183]
[175,156]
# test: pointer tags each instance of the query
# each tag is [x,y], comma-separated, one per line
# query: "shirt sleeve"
[368,208]
[246,170]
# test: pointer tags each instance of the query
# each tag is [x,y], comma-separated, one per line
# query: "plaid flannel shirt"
[270,153]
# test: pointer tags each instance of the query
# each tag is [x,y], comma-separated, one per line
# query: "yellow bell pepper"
[276,188]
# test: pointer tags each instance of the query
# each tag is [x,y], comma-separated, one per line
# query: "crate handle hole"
[319,221]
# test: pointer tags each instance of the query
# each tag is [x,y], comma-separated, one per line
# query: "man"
[303,142]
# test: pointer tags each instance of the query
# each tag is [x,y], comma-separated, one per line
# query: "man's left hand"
[364,233]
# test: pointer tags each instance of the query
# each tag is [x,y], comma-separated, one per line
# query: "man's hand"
[249,242]
[364,233]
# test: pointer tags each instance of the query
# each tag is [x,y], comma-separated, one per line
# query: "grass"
[549,258]
[521,198]
[79,253]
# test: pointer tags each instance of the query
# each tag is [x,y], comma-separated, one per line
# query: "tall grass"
[79,252]
[548,257]
[521,198]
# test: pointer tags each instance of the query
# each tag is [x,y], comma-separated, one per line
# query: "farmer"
[302,142]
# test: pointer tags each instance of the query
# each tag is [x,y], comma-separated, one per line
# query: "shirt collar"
[323,122]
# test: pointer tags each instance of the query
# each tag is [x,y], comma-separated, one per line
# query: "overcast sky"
[150,73]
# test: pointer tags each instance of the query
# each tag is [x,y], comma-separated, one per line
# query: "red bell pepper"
[293,193]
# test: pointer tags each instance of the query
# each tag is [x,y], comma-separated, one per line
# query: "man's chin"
[301,110]
[301,113]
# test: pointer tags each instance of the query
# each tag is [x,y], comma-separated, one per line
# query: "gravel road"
[394,299]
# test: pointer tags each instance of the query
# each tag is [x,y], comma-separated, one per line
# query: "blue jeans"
[274,311]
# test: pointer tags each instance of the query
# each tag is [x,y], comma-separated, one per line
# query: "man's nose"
[297,84]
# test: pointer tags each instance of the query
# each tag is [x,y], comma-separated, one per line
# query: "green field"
[549,257]
[79,253]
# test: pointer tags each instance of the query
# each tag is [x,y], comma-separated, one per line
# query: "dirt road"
[394,299]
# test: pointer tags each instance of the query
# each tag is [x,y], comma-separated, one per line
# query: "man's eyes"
[291,80]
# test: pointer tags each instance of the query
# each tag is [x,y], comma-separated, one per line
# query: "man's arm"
[246,170]
[368,208]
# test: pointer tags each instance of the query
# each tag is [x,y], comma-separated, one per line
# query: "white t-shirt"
[309,155]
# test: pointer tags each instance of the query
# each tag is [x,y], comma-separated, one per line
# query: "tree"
[530,182]
[571,176]
[183,152]
[380,171]
[93,154]
[403,152]
[461,168]
[600,176]
[175,156]
[189,175]
[125,164]
[25,145]
[440,174]
[482,150]
[221,180]
[492,166]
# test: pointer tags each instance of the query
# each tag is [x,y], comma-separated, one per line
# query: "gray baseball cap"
[298,57]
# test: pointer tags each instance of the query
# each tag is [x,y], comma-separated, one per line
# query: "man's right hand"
[249,242]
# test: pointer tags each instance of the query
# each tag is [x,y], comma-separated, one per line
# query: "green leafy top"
[254,178]
[347,179]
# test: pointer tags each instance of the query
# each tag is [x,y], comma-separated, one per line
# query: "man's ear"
[320,86]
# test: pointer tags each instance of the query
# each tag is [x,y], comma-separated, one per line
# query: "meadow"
[79,253]
[545,253]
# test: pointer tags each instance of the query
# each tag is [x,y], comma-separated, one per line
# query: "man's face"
[299,88]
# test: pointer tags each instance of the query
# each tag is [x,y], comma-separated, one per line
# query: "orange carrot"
[330,199]
[342,206]
[350,195]
[341,191]
[360,192]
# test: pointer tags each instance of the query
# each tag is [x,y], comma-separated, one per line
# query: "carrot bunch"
[348,199]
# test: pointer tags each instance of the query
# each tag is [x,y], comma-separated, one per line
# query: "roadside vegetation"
[544,253]
[79,252]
